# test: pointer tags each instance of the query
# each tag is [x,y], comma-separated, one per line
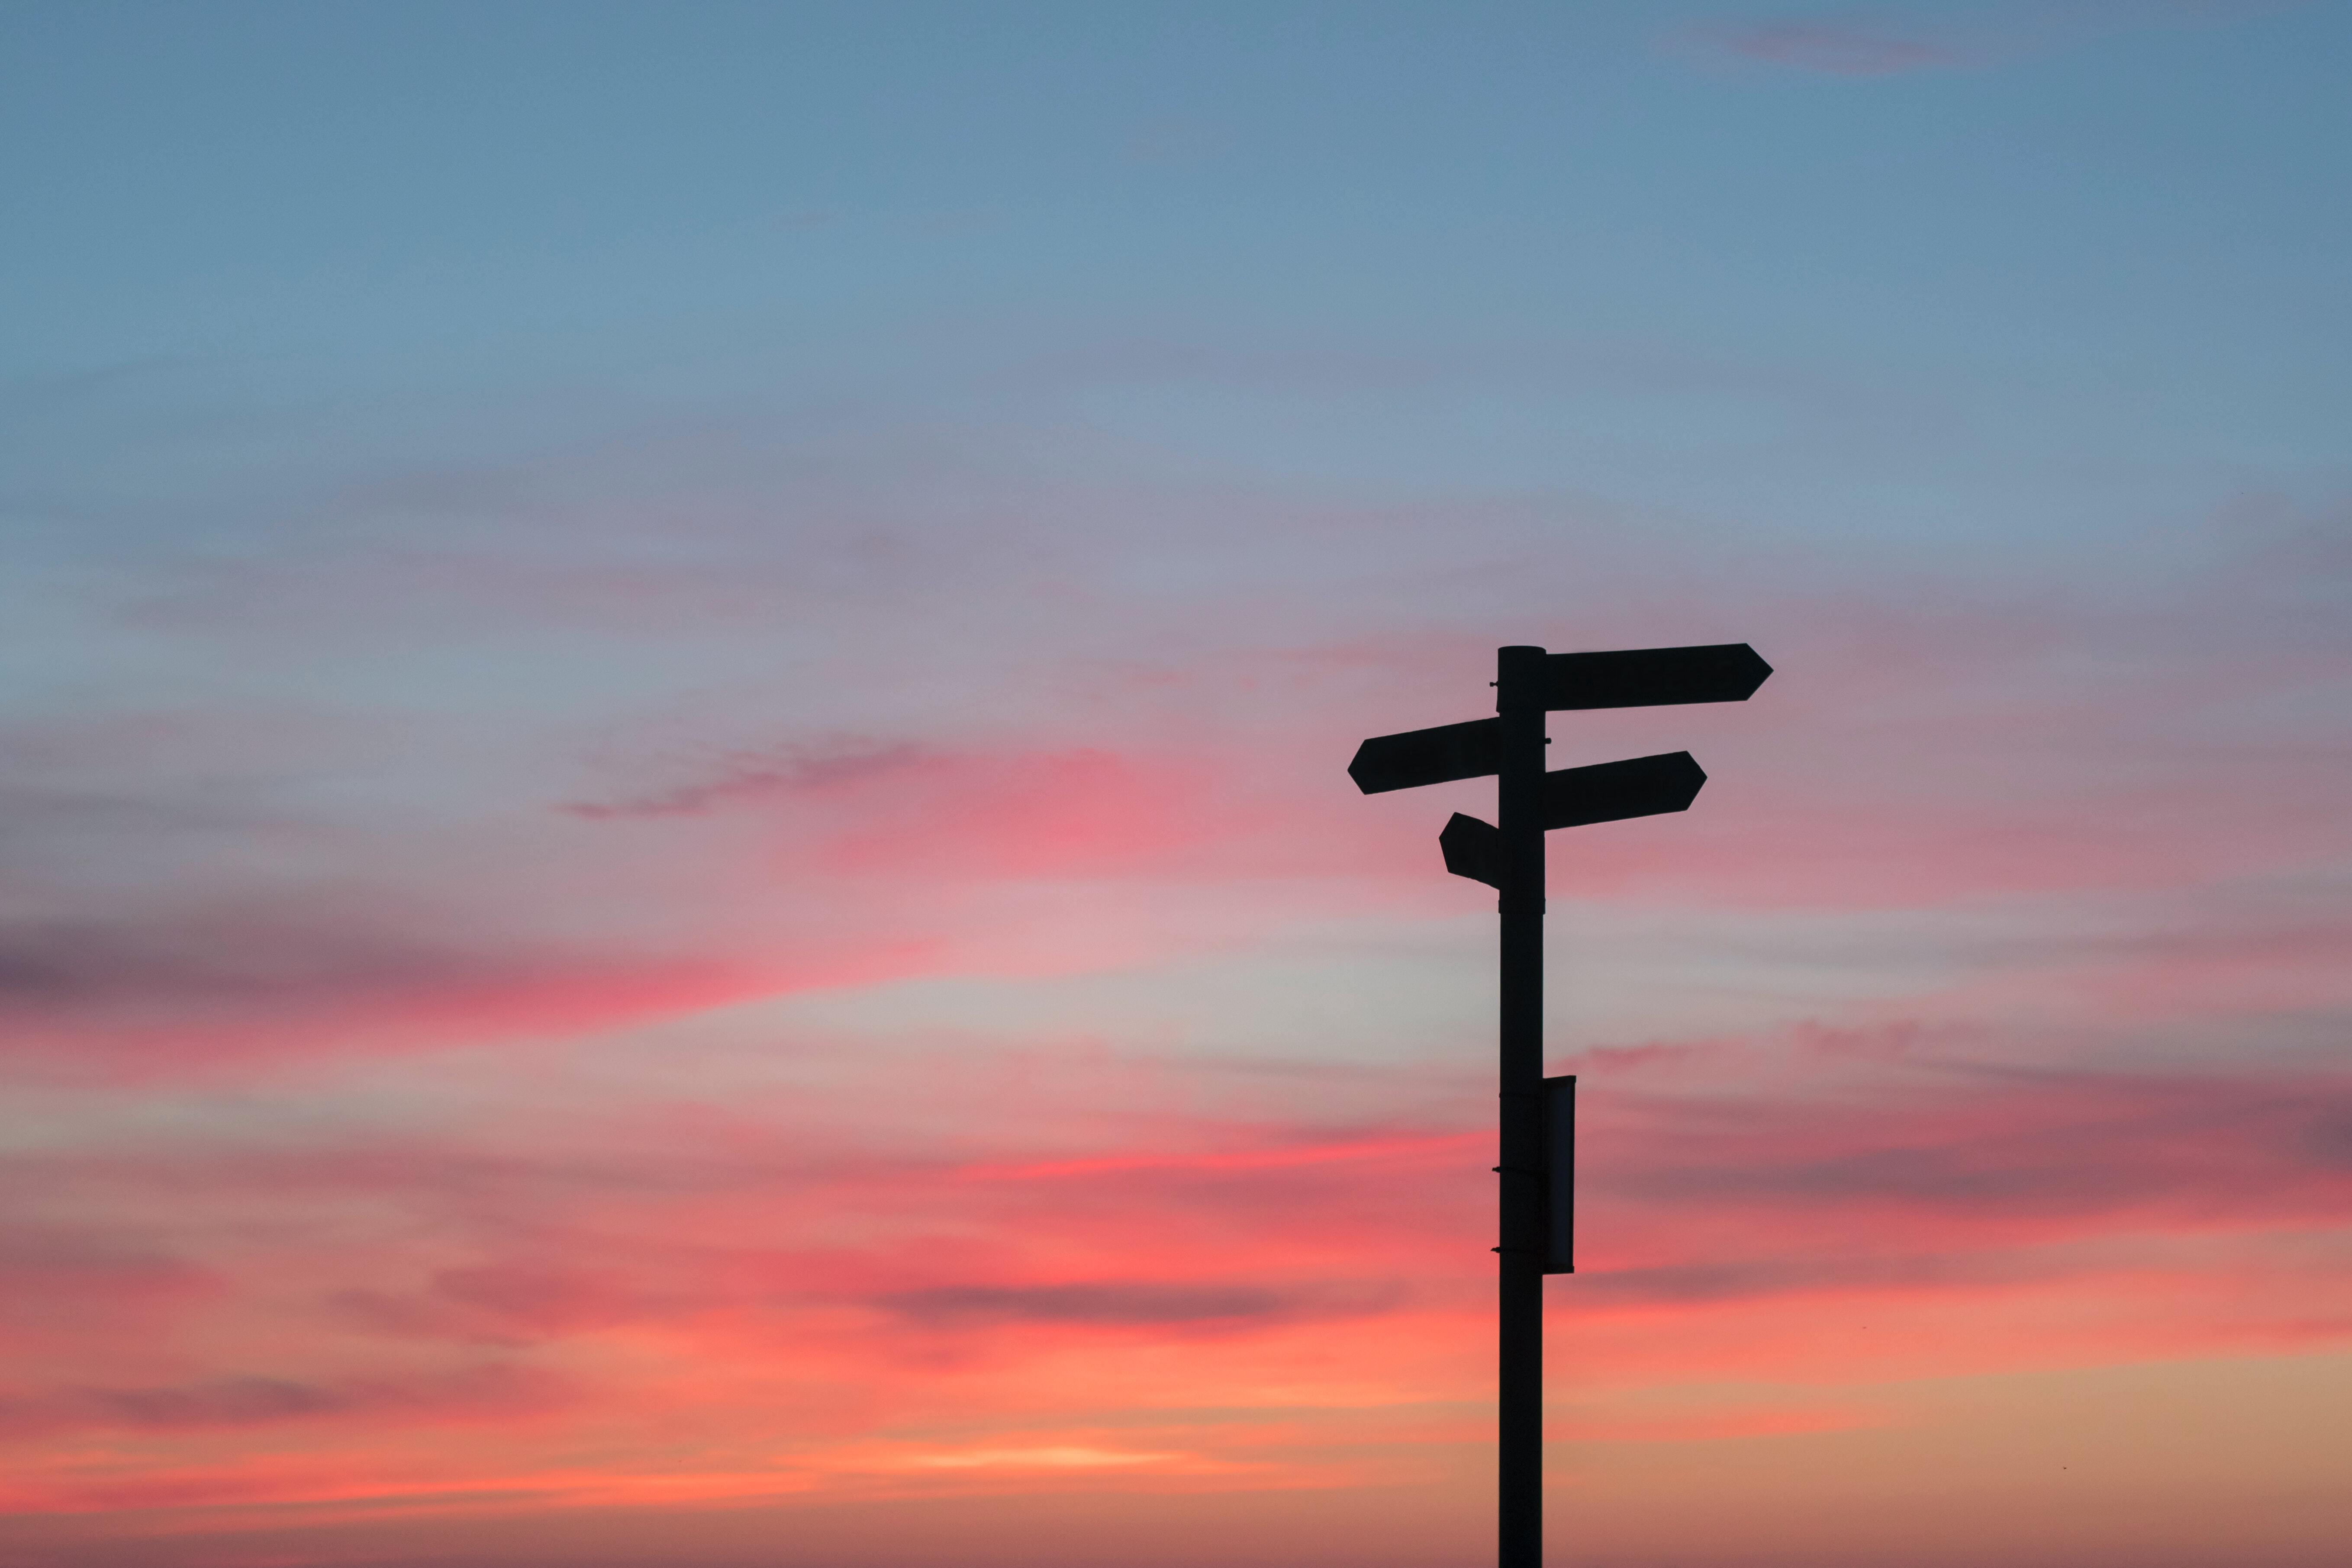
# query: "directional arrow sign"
[1612,791]
[1418,757]
[1654,677]
[1576,797]
[1631,677]
[1473,849]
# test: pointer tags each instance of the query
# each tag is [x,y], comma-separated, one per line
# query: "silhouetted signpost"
[1539,1114]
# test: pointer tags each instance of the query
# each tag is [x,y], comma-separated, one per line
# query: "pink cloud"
[468,1394]
[1079,812]
[806,1293]
[993,1260]
[750,778]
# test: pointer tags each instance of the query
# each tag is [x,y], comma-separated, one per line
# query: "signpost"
[1538,1146]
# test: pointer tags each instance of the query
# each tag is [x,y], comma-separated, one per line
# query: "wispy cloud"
[488,1391]
[746,777]
[835,1009]
[1834,47]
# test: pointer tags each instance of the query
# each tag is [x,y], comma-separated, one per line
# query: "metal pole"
[1520,700]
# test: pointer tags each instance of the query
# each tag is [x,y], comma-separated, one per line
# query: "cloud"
[753,778]
[198,988]
[487,1392]
[1848,48]
[1702,1182]
[856,1255]
[2007,1154]
[512,1300]
[63,1284]
[1162,1306]
[1115,1304]
[623,901]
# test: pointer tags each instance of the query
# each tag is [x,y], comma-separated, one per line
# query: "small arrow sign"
[1418,757]
[1612,791]
[1654,677]
[1578,798]
[1473,849]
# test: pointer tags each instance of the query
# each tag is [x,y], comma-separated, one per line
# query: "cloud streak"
[930,1018]
[1848,48]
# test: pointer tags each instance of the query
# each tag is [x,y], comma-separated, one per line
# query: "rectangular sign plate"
[1612,791]
[1418,757]
[1559,1175]
[1654,677]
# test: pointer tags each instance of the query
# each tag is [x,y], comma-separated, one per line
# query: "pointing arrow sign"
[1612,791]
[1418,757]
[1578,798]
[1631,677]
[1474,850]
[1654,677]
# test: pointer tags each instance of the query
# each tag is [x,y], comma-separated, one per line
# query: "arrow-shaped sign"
[1418,757]
[1654,677]
[1631,677]
[1612,791]
[1474,850]
[1578,798]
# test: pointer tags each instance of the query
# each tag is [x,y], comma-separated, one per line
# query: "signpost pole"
[1520,689]
[1509,857]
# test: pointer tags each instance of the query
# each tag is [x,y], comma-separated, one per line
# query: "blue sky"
[1472,210]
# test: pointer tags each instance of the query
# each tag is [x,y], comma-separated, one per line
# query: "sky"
[676,884]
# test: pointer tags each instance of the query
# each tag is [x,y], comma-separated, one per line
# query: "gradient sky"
[678,886]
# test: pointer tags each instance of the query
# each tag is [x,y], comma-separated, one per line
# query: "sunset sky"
[676,884]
